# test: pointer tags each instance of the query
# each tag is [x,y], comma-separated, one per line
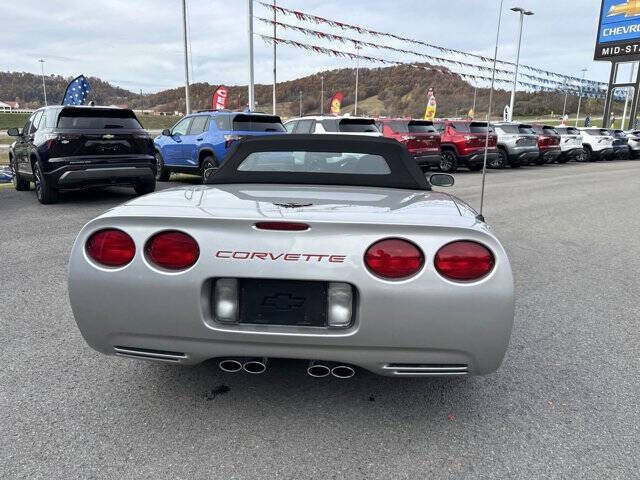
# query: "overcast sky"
[137,44]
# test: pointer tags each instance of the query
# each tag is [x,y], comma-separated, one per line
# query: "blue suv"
[200,141]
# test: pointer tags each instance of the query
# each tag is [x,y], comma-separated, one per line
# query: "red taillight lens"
[111,247]
[464,261]
[172,250]
[394,258]
[286,226]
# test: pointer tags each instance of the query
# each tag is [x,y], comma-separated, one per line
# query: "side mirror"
[441,180]
[13,132]
[166,132]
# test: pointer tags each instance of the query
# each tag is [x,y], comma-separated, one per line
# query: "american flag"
[77,91]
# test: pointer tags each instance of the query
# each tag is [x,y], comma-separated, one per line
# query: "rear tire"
[44,191]
[144,188]
[501,161]
[162,173]
[208,163]
[448,162]
[19,183]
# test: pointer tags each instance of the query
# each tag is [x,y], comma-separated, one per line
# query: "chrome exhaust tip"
[230,365]
[255,366]
[318,370]
[343,371]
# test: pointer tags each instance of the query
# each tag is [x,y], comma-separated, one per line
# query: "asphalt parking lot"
[564,405]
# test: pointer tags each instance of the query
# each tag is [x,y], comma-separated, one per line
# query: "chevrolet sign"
[619,31]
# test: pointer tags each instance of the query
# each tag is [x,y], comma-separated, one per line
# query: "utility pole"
[186,59]
[321,94]
[584,70]
[475,91]
[252,102]
[274,57]
[44,86]
[300,96]
[522,12]
[355,107]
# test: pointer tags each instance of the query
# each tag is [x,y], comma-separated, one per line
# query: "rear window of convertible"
[315,162]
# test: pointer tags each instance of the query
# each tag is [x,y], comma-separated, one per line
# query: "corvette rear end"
[395,281]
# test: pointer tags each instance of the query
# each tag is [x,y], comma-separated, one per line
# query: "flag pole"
[486,140]
[186,59]
[250,35]
[274,57]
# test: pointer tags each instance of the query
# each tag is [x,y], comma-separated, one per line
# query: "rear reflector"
[394,258]
[111,247]
[286,226]
[464,261]
[172,250]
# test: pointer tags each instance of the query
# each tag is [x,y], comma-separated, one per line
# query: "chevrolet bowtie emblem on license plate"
[283,301]
[108,136]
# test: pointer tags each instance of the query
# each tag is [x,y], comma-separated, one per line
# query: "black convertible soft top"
[404,173]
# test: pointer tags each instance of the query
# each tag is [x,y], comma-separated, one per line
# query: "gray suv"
[517,145]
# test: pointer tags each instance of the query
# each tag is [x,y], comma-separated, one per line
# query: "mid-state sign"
[618,31]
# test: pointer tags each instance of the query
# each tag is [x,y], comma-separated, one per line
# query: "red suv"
[462,144]
[548,143]
[419,136]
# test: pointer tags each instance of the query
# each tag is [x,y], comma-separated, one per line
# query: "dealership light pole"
[252,102]
[321,94]
[300,101]
[355,107]
[44,86]
[486,139]
[475,92]
[626,99]
[522,12]
[584,70]
[186,59]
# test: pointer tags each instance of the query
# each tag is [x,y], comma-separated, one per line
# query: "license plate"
[283,302]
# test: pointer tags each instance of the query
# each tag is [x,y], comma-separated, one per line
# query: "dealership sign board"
[619,31]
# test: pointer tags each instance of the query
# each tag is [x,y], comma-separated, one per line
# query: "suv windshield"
[97,118]
[357,125]
[257,123]
[412,126]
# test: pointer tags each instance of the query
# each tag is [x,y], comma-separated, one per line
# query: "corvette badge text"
[286,257]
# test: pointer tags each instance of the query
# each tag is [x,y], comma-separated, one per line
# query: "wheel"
[19,183]
[162,173]
[46,193]
[476,168]
[500,161]
[448,162]
[208,163]
[144,188]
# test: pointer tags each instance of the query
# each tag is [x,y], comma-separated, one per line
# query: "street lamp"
[355,107]
[522,12]
[44,86]
[321,94]
[584,70]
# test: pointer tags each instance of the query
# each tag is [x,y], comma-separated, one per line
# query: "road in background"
[563,405]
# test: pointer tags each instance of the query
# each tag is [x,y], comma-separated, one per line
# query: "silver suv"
[570,144]
[517,145]
[634,142]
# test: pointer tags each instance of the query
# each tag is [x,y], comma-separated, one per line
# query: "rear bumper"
[622,151]
[477,158]
[83,176]
[550,155]
[573,153]
[604,153]
[523,157]
[425,160]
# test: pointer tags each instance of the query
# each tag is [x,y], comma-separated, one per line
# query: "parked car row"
[72,147]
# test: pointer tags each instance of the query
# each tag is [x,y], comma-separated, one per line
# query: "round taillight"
[464,261]
[394,258]
[111,247]
[172,250]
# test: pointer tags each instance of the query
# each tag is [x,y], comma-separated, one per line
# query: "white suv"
[597,143]
[570,144]
[333,124]
[634,142]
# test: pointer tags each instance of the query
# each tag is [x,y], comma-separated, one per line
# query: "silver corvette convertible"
[330,249]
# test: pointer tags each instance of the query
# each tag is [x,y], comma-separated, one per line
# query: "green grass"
[8,120]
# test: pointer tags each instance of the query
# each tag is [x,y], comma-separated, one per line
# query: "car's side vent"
[149,354]
[428,369]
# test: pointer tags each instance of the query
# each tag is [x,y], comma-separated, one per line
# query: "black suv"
[73,147]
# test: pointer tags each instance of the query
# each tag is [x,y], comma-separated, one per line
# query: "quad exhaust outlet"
[251,365]
[319,369]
